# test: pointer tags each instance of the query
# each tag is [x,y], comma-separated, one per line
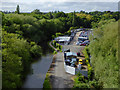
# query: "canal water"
[39,68]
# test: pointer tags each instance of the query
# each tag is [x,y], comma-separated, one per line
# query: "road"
[73,42]
[59,78]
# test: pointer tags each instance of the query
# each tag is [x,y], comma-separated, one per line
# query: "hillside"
[104,53]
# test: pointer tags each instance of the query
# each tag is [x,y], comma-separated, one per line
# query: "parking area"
[75,39]
[73,48]
[59,77]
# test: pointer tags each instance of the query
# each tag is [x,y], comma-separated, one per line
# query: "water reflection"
[39,69]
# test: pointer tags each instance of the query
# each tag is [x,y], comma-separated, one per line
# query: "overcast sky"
[61,5]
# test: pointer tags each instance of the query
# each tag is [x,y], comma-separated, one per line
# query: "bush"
[54,52]
[71,28]
[95,84]
[104,52]
[86,53]
[81,85]
[35,51]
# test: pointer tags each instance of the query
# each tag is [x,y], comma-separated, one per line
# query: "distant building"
[63,40]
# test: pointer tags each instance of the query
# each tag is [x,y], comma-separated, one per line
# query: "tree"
[17,10]
[36,11]
[50,15]
[105,53]
[74,19]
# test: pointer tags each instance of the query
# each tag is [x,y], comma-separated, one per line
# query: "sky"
[61,5]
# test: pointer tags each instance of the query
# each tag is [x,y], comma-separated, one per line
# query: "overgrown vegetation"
[90,81]
[104,53]
[85,83]
[16,58]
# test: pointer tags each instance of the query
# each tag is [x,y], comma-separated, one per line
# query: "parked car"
[78,54]
[66,50]
[77,43]
[82,38]
[67,62]
[83,44]
[73,65]
[87,42]
[73,60]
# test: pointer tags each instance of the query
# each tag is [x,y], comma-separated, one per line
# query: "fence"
[69,69]
[74,71]
[84,73]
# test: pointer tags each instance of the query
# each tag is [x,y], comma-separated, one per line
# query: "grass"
[47,84]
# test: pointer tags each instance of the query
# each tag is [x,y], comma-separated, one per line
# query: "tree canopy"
[23,34]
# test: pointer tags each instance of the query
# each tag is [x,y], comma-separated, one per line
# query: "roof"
[63,38]
[82,37]
[71,54]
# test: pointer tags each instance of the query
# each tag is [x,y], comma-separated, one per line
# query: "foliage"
[54,52]
[54,43]
[82,82]
[86,53]
[36,11]
[15,59]
[104,52]
[57,46]
[17,10]
[22,33]
[58,34]
[47,83]
[36,51]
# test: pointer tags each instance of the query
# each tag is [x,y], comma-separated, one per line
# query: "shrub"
[95,84]
[86,53]
[81,85]
[54,52]
[35,51]
[104,52]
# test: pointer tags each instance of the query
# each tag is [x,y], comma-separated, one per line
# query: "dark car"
[78,54]
[87,42]
[66,50]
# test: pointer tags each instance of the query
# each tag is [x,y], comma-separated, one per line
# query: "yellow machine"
[80,61]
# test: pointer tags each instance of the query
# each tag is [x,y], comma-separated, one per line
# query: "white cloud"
[63,5]
[60,1]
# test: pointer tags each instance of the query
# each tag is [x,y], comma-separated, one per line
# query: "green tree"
[17,10]
[105,53]
[74,21]
[15,59]
[36,11]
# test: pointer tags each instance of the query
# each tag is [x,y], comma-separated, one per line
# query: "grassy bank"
[47,83]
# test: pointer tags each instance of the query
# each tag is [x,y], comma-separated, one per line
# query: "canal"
[38,69]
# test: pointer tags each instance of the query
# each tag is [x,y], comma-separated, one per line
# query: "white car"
[79,42]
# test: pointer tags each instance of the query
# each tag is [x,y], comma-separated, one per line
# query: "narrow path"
[50,43]
[61,79]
